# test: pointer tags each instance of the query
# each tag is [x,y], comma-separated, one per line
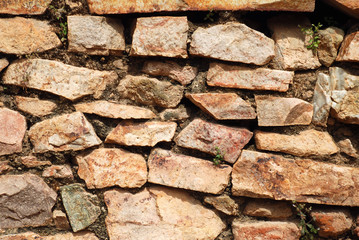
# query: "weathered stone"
[65,132]
[160,36]
[330,40]
[279,111]
[35,106]
[95,35]
[60,220]
[36,196]
[159,213]
[31,7]
[322,100]
[114,110]
[291,50]
[223,106]
[262,175]
[232,42]
[265,230]
[268,209]
[81,206]
[25,35]
[12,131]
[180,113]
[142,134]
[5,167]
[210,137]
[3,63]
[58,171]
[73,4]
[349,48]
[346,147]
[31,161]
[61,236]
[350,7]
[107,167]
[22,236]
[223,203]
[55,77]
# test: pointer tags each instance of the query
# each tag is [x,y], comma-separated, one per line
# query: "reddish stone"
[349,48]
[31,161]
[31,7]
[58,171]
[5,167]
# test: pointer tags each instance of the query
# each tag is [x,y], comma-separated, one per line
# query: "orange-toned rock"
[223,203]
[5,167]
[31,161]
[35,106]
[3,63]
[347,147]
[349,48]
[30,7]
[268,209]
[58,171]
[350,7]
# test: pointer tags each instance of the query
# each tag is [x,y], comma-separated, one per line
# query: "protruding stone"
[31,161]
[347,147]
[3,63]
[61,236]
[223,203]
[322,99]
[64,132]
[5,167]
[268,209]
[350,7]
[58,171]
[35,106]
[349,48]
[279,111]
[177,114]
[160,36]
[30,7]
[60,220]
[107,167]
[232,42]
[330,40]
[61,79]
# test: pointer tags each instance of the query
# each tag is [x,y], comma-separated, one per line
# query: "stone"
[177,114]
[58,171]
[5,167]
[261,175]
[12,131]
[181,74]
[142,133]
[30,7]
[330,40]
[64,132]
[306,143]
[223,106]
[3,63]
[268,209]
[291,51]
[57,78]
[322,100]
[61,236]
[107,167]
[160,36]
[73,4]
[150,91]
[114,110]
[31,162]
[159,213]
[60,220]
[349,49]
[223,203]
[347,147]
[26,188]
[350,7]
[280,111]
[265,230]
[181,171]
[25,35]
[210,137]
[81,206]
[35,106]
[232,42]
[21,236]
[95,35]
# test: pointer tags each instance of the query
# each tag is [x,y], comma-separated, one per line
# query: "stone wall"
[178,119]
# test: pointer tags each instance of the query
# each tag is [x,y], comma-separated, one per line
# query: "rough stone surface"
[58,171]
[65,132]
[30,189]
[322,101]
[350,7]
[95,35]
[31,162]
[35,106]
[268,209]
[31,7]
[61,236]
[107,167]
[330,40]
[347,147]
[81,206]
[180,171]
[160,36]
[262,175]
[150,91]
[206,137]
[223,203]
[5,167]
[231,76]
[55,77]
[278,111]
[180,113]
[223,106]
[232,42]
[60,220]
[159,213]
[3,63]
[24,36]
[349,48]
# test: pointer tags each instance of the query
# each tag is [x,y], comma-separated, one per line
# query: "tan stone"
[3,63]
[223,203]
[350,7]
[330,40]
[180,113]
[268,209]
[5,167]
[347,147]
[31,7]
[35,106]
[31,161]
[61,236]
[60,220]
[58,171]
[349,48]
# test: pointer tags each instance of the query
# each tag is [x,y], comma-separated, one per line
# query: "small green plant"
[59,15]
[313,33]
[307,229]
[219,158]
[209,16]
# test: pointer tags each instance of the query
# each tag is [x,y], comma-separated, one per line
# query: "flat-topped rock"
[350,7]
[268,209]
[349,49]
[35,106]
[322,100]
[30,7]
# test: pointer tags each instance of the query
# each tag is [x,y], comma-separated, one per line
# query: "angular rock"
[61,236]
[322,100]
[61,79]
[65,132]
[114,110]
[291,50]
[279,111]
[349,48]
[58,171]
[142,134]
[268,209]
[346,147]
[223,203]
[180,113]
[12,131]
[30,189]
[223,106]
[30,7]
[25,35]
[209,137]
[3,63]
[95,35]
[107,167]
[81,206]
[160,36]
[31,161]
[262,175]
[350,7]
[330,40]
[5,167]
[159,213]
[35,106]
[60,220]
[231,76]
[150,91]
[232,42]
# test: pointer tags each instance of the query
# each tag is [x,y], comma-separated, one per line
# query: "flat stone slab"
[261,175]
[159,213]
[160,36]
[349,48]
[107,167]
[58,171]
[223,106]
[35,106]
[65,132]
[268,209]
[322,100]
[31,162]
[61,236]
[25,35]
[208,137]
[30,7]
[231,76]
[232,42]
[350,7]
[57,78]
